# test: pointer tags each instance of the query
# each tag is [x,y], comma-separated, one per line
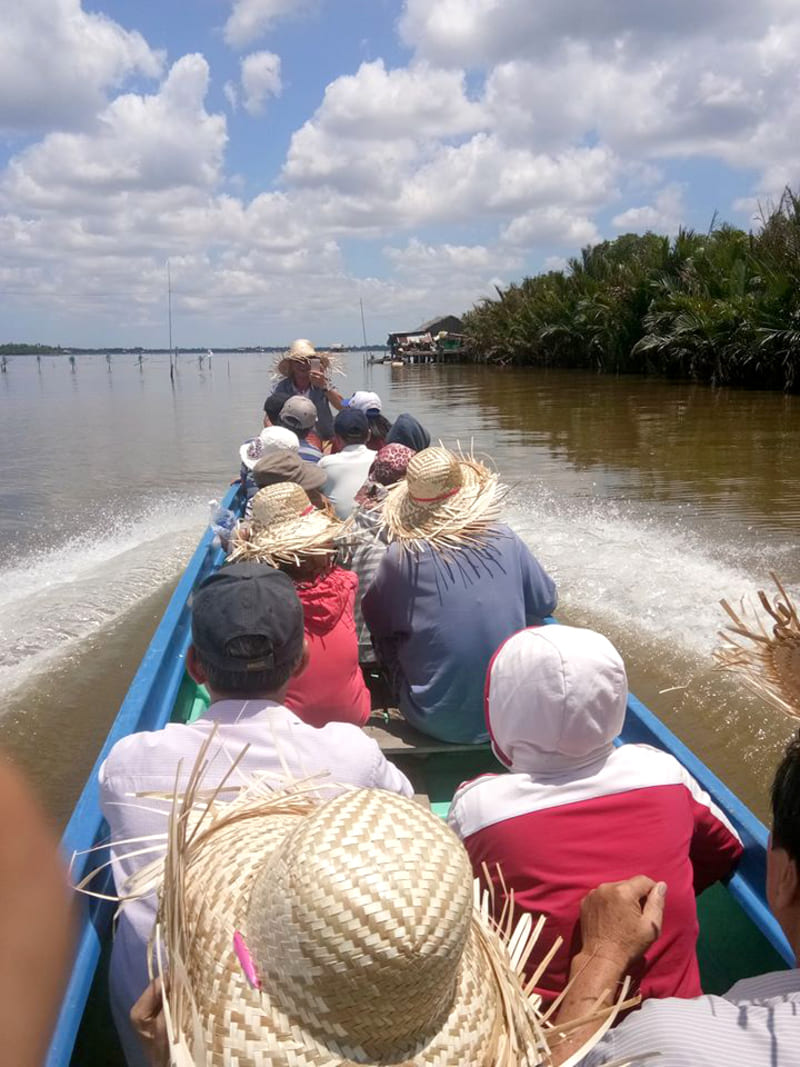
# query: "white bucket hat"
[369,403]
[271,439]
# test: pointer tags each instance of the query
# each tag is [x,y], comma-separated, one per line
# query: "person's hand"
[147,1019]
[318,379]
[621,920]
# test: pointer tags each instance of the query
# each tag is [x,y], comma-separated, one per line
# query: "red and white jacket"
[589,813]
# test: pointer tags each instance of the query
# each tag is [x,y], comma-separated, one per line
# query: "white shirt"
[755,1024]
[281,746]
[346,472]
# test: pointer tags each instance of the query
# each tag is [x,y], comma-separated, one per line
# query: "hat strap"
[307,511]
[434,499]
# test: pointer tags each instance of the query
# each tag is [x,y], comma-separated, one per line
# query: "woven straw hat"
[300,351]
[284,527]
[361,940]
[765,652]
[447,500]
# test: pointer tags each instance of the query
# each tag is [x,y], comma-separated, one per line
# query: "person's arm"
[36,924]
[538,587]
[333,396]
[715,847]
[380,607]
[619,922]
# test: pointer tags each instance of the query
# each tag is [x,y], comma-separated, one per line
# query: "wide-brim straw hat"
[301,934]
[301,351]
[447,500]
[284,527]
[764,648]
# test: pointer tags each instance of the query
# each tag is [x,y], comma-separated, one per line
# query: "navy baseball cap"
[247,600]
[351,425]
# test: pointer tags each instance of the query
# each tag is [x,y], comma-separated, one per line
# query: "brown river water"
[648,501]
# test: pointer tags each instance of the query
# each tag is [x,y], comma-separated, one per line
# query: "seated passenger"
[366,543]
[407,431]
[575,811]
[288,532]
[346,471]
[273,406]
[271,439]
[379,425]
[452,587]
[247,646]
[299,415]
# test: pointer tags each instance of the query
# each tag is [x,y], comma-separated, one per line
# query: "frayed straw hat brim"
[241,1024]
[461,520]
[765,652]
[328,363]
[286,542]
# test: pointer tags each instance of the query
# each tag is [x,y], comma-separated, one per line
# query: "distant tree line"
[721,307]
[28,350]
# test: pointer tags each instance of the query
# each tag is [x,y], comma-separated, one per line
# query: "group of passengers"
[366,550]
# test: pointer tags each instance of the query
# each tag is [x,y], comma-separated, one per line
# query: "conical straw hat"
[765,652]
[447,500]
[284,527]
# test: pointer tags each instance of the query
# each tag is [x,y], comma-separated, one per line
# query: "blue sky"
[290,157]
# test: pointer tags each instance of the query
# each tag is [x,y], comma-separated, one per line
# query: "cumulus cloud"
[552,225]
[153,143]
[58,62]
[250,20]
[261,79]
[665,215]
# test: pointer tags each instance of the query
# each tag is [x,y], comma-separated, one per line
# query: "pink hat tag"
[246,960]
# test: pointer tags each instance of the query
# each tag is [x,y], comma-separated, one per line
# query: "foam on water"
[58,597]
[655,577]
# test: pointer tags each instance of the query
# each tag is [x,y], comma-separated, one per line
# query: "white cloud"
[261,79]
[57,62]
[250,20]
[665,215]
[551,225]
[231,94]
[152,143]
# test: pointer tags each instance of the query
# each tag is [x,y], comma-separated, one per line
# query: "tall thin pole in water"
[169,311]
[363,328]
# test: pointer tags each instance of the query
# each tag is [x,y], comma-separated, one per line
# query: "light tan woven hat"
[362,943]
[765,652]
[284,527]
[447,500]
[301,351]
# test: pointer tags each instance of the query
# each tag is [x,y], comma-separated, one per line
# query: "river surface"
[648,501]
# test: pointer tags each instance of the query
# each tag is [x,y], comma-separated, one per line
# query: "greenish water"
[647,501]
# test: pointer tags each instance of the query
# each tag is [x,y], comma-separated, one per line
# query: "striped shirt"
[755,1024]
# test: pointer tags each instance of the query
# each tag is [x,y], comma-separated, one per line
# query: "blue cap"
[351,425]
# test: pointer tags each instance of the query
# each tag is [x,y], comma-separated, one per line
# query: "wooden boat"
[738,935]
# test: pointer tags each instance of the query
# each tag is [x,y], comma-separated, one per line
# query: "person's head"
[272,439]
[286,466]
[286,530]
[555,699]
[388,467]
[406,430]
[446,502]
[247,632]
[273,406]
[783,855]
[299,414]
[357,939]
[371,405]
[351,426]
[295,364]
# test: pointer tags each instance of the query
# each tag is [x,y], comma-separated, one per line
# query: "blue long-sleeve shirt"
[437,619]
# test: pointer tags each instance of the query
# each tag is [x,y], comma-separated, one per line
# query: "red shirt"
[332,687]
[638,812]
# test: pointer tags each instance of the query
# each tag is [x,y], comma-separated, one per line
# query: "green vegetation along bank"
[721,307]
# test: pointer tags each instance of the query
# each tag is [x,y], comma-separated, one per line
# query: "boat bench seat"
[397,737]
